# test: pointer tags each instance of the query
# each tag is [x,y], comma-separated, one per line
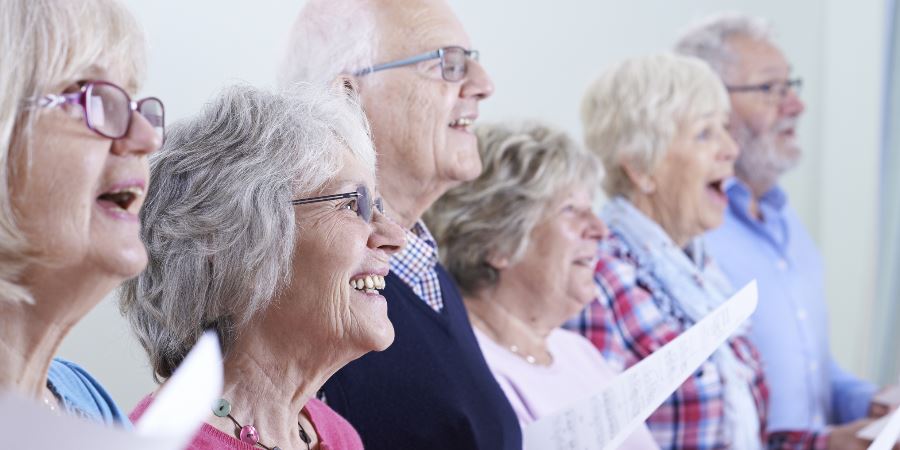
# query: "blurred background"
[541,55]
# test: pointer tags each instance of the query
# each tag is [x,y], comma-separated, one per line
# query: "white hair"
[632,112]
[46,45]
[329,38]
[708,39]
[218,221]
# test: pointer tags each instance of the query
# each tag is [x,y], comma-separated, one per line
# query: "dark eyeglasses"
[108,108]
[363,205]
[454,62]
[773,90]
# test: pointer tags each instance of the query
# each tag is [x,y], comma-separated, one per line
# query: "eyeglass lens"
[109,111]
[365,204]
[454,63]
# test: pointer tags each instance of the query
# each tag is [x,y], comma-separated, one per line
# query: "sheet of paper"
[884,432]
[605,420]
[25,424]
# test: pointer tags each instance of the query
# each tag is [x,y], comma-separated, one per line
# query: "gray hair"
[218,222]
[329,38]
[46,45]
[708,39]
[632,112]
[525,167]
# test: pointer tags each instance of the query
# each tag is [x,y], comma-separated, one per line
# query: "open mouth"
[370,284]
[121,200]
[462,124]
[587,261]
[716,188]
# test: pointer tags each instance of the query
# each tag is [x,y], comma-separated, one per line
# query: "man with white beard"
[762,238]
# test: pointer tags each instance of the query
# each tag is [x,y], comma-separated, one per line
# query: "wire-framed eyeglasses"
[775,90]
[363,204]
[108,108]
[454,62]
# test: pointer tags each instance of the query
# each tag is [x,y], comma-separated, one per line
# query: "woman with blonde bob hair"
[520,241]
[73,170]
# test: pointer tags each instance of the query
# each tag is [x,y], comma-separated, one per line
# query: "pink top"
[335,433]
[577,372]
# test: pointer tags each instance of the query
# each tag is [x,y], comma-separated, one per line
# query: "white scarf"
[695,291]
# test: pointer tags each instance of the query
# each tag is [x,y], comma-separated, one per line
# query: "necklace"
[247,433]
[530,359]
[52,403]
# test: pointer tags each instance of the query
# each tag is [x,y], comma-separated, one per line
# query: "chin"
[380,339]
[125,263]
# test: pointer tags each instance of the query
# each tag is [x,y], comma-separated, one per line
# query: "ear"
[498,262]
[641,180]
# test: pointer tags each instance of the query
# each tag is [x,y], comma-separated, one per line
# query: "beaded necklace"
[247,433]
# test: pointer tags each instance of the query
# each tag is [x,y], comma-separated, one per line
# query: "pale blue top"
[808,389]
[82,395]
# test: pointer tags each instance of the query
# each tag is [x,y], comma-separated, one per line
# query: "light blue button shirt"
[808,390]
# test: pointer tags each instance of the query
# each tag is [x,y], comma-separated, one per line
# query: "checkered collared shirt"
[415,265]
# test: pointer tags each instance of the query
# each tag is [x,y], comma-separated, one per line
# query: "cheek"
[54,195]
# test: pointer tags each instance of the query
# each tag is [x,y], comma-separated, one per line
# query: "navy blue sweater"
[431,389]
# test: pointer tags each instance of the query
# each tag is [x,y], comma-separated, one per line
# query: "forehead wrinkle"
[410,25]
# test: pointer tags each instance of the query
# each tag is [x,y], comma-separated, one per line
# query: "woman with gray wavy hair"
[658,123]
[264,224]
[520,242]
[73,168]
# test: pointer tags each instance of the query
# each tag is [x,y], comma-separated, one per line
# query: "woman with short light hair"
[520,243]
[73,169]
[658,123]
[264,224]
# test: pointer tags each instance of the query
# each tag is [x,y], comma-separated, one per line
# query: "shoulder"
[333,429]
[82,394]
[578,350]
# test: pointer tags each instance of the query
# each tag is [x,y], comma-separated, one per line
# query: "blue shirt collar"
[739,196]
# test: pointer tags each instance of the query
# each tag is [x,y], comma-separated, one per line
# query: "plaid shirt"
[632,318]
[415,265]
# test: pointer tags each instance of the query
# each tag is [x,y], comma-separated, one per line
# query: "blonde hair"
[525,167]
[632,112]
[46,45]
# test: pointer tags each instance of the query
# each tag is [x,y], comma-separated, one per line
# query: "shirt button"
[782,265]
[801,314]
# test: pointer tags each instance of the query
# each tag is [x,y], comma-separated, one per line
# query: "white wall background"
[541,54]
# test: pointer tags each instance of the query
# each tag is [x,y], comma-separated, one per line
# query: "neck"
[270,378]
[505,317]
[758,188]
[666,218]
[405,205]
[30,334]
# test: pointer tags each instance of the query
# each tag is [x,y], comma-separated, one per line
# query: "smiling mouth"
[121,200]
[587,261]
[370,284]
[463,123]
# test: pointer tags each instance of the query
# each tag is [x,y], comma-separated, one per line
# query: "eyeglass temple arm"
[51,100]
[324,198]
[399,63]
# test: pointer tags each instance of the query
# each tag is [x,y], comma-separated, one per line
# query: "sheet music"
[607,419]
[884,432]
[180,409]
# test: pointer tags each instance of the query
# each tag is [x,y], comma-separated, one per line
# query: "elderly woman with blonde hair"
[520,241]
[264,224]
[658,123]
[73,170]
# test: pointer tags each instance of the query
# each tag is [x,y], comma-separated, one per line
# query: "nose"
[478,83]
[141,140]
[729,150]
[386,235]
[596,229]
[792,105]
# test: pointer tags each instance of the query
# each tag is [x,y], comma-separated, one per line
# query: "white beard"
[761,160]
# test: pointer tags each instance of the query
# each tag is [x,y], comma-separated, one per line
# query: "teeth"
[369,283]
[462,122]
